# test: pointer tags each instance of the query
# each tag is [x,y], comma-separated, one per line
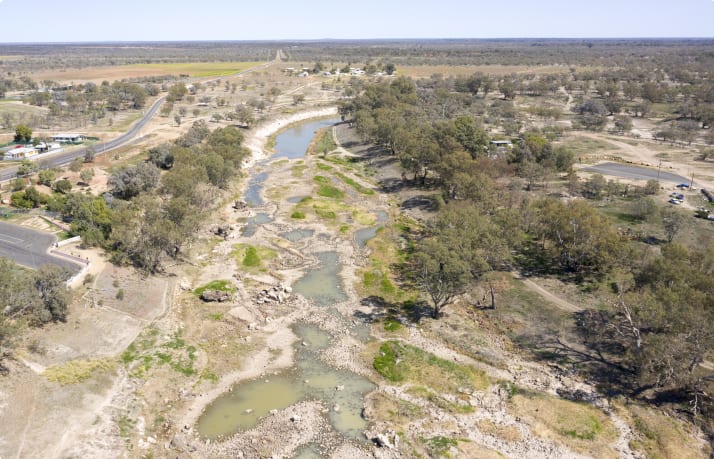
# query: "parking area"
[29,247]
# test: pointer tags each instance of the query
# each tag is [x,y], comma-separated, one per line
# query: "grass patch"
[586,145]
[580,426]
[298,170]
[398,362]
[326,214]
[440,446]
[325,142]
[76,371]
[391,324]
[252,257]
[220,285]
[326,190]
[377,281]
[395,410]
[357,186]
[198,69]
[298,215]
[348,162]
[364,218]
[455,407]
[663,437]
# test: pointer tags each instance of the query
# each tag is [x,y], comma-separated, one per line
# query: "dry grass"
[664,437]
[18,108]
[425,71]
[507,433]
[390,409]
[112,73]
[582,146]
[581,427]
[468,449]
[76,371]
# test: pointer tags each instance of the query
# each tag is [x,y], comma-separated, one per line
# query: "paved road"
[635,172]
[66,157]
[28,247]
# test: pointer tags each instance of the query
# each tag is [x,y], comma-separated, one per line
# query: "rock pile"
[276,294]
[223,231]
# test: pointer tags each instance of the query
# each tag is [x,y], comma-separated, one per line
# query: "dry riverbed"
[456,386]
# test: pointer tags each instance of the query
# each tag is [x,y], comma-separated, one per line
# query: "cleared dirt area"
[112,73]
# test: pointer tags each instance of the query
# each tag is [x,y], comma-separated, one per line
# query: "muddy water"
[297,235]
[363,235]
[322,285]
[252,195]
[290,144]
[251,226]
[293,143]
[311,379]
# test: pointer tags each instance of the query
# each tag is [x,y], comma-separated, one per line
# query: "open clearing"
[111,73]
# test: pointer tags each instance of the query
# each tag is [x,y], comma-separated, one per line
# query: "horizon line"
[327,40]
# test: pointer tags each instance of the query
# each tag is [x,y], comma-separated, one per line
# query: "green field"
[200,69]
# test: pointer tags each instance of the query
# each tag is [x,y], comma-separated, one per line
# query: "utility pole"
[659,166]
[691,183]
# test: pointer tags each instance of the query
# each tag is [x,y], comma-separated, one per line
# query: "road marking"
[10,239]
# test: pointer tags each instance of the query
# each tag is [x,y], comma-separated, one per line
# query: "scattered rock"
[340,387]
[578,395]
[223,231]
[248,411]
[275,294]
[239,204]
[382,440]
[295,418]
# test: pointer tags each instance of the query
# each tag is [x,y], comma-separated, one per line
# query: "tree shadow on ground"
[421,202]
[608,375]
[412,311]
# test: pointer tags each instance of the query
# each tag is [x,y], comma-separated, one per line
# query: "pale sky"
[172,20]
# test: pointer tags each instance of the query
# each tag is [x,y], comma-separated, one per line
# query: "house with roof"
[68,138]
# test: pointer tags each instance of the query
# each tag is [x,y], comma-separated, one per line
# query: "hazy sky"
[137,20]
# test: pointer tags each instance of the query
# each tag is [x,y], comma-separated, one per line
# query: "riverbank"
[257,139]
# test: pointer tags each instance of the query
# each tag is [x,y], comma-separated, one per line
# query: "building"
[501,143]
[68,138]
[19,153]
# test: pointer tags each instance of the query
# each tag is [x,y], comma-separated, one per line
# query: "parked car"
[675,201]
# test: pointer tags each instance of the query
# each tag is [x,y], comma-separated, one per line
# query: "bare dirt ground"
[675,159]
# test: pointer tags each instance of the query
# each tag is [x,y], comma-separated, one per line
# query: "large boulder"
[215,295]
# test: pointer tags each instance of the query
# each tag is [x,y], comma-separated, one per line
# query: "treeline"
[623,53]
[154,208]
[33,57]
[494,214]
[29,298]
